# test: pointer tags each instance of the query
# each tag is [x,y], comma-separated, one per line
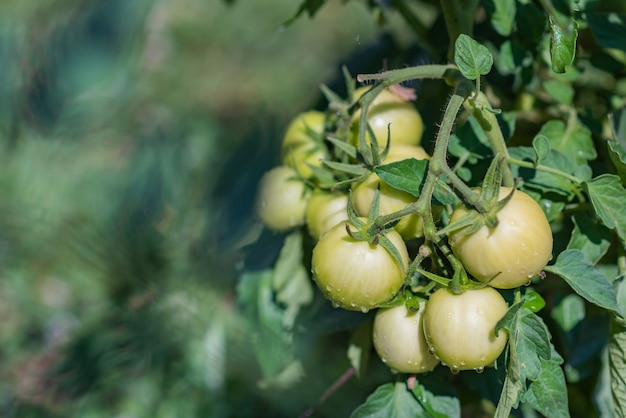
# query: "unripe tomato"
[299,130]
[356,275]
[324,211]
[300,148]
[391,199]
[515,250]
[400,342]
[281,199]
[460,328]
[406,125]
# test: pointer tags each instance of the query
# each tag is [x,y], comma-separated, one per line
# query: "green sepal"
[490,189]
[352,216]
[349,149]
[434,277]
[374,207]
[330,95]
[467,225]
[354,169]
[386,243]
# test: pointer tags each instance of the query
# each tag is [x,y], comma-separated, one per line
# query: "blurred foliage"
[131,137]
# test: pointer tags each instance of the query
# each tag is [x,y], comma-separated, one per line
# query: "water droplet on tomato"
[479,369]
[353,304]
[364,309]
[454,370]
[335,304]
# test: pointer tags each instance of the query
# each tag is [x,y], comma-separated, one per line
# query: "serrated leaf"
[575,143]
[589,237]
[360,347]
[391,400]
[472,58]
[607,194]
[406,175]
[588,282]
[501,15]
[562,44]
[539,179]
[548,394]
[561,92]
[541,145]
[437,397]
[609,29]
[617,368]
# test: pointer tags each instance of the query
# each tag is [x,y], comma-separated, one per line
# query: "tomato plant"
[509,232]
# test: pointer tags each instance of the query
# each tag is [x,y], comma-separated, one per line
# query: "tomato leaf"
[406,175]
[562,44]
[511,389]
[574,142]
[501,15]
[533,301]
[561,92]
[617,147]
[437,397]
[609,29]
[548,393]
[541,145]
[607,194]
[291,283]
[569,312]
[543,180]
[617,367]
[589,237]
[588,282]
[391,400]
[472,58]
[360,347]
[311,7]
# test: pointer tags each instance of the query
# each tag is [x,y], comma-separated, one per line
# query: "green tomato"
[281,199]
[400,342]
[301,128]
[388,109]
[356,275]
[324,211]
[391,199]
[514,251]
[301,158]
[460,329]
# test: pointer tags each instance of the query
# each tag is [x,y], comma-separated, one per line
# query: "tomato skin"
[356,275]
[516,250]
[399,340]
[300,149]
[391,199]
[406,124]
[324,211]
[281,199]
[460,328]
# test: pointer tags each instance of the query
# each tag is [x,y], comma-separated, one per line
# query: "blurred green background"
[132,134]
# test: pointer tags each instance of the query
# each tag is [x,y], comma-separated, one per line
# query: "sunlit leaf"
[501,15]
[589,237]
[472,58]
[574,142]
[562,44]
[607,194]
[406,175]
[548,394]
[391,400]
[588,282]
[437,397]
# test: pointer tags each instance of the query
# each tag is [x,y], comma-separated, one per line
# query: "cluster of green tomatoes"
[455,328]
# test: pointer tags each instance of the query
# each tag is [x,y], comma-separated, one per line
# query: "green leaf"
[437,397]
[609,29]
[292,284]
[360,347]
[588,282]
[569,311]
[607,194]
[531,340]
[511,389]
[501,15]
[589,237]
[307,6]
[575,143]
[533,301]
[472,58]
[562,44]
[406,175]
[354,169]
[391,400]
[541,145]
[617,147]
[561,92]
[617,367]
[548,394]
[547,182]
